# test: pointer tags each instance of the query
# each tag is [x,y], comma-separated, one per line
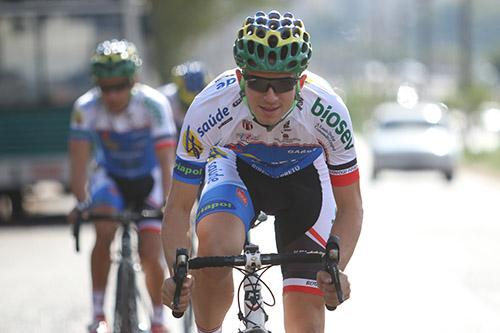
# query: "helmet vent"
[285,34]
[296,32]
[298,23]
[260,51]
[274,15]
[303,62]
[261,20]
[306,37]
[273,41]
[288,14]
[286,22]
[249,20]
[272,58]
[240,44]
[292,64]
[251,46]
[251,63]
[261,32]
[294,49]
[304,48]
[260,13]
[240,33]
[273,24]
[284,52]
[250,30]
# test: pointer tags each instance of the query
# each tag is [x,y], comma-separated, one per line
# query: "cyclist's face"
[269,99]
[115,92]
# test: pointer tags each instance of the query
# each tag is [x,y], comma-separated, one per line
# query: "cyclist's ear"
[302,80]
[240,78]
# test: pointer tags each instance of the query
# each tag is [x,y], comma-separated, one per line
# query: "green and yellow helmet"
[115,58]
[272,43]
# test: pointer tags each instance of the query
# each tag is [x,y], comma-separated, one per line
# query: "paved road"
[426,262]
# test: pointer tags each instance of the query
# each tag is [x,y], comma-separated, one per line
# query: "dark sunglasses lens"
[278,85]
[283,85]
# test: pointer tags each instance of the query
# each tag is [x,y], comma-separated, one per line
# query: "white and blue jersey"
[125,143]
[218,117]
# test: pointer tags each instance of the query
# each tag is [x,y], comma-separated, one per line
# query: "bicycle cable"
[246,274]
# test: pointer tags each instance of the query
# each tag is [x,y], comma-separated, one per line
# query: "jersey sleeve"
[163,126]
[80,121]
[333,128]
[194,144]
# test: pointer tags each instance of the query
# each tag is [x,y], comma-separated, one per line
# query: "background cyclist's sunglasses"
[279,85]
[118,87]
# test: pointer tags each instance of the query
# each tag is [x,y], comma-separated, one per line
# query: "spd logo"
[191,143]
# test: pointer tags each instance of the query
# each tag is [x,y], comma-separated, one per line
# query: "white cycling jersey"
[125,142]
[219,117]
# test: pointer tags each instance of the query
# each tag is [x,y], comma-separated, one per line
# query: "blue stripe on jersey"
[129,154]
[78,134]
[189,172]
[277,161]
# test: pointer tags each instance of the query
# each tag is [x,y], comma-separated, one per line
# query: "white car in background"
[419,137]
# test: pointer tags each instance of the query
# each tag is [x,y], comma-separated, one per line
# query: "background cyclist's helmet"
[115,58]
[190,79]
[272,43]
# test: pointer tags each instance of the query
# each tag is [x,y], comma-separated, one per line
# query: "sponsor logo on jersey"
[214,172]
[312,283]
[187,170]
[242,196]
[239,100]
[107,141]
[247,124]
[77,117]
[225,122]
[286,126]
[216,152]
[191,143]
[213,119]
[214,206]
[333,120]
[225,81]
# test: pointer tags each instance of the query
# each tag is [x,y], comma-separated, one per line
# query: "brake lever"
[76,231]
[332,257]
[180,273]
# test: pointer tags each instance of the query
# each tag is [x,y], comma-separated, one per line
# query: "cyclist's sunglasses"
[279,85]
[117,87]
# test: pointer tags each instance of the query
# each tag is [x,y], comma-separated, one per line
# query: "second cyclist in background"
[130,128]
[188,79]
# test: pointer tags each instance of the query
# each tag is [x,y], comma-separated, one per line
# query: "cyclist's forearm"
[79,158]
[175,234]
[348,227]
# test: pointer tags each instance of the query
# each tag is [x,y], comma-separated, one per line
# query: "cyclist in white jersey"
[266,136]
[188,80]
[130,128]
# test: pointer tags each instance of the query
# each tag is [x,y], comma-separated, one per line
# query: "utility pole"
[424,34]
[465,48]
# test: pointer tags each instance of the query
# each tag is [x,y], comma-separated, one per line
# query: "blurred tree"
[175,23]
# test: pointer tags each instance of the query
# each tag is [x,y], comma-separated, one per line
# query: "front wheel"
[126,320]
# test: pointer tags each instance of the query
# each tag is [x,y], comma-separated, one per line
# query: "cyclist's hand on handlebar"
[81,211]
[168,291]
[328,288]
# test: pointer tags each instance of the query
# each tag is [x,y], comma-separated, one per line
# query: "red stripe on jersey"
[303,289]
[318,237]
[346,179]
[165,143]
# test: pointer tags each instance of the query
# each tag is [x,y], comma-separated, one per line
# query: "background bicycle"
[132,307]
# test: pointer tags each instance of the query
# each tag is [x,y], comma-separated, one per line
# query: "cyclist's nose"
[270,94]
